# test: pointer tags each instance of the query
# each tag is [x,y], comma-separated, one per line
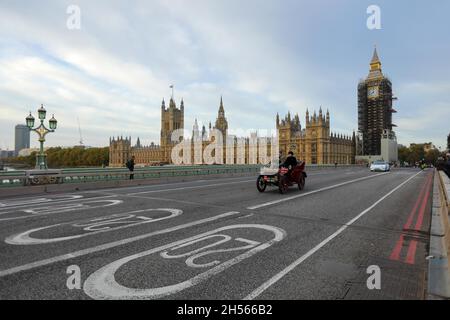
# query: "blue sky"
[264,57]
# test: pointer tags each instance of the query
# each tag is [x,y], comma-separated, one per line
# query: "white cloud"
[114,72]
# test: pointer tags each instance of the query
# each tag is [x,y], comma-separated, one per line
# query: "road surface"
[222,239]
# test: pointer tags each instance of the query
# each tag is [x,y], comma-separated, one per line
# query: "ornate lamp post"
[41,130]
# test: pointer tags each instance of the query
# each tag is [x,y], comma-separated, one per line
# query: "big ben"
[374,108]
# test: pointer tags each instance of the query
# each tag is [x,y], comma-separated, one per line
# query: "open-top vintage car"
[282,177]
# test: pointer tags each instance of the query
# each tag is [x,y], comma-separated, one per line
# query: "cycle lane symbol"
[88,227]
[102,284]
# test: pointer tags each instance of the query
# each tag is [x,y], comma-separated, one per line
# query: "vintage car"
[281,177]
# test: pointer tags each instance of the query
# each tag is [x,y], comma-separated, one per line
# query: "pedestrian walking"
[130,166]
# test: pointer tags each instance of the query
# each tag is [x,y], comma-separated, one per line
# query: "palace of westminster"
[314,143]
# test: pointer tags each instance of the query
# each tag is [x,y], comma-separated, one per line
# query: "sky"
[263,57]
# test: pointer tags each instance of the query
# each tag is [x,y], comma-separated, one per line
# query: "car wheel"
[283,186]
[301,182]
[261,184]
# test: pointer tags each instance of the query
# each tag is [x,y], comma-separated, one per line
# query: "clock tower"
[374,108]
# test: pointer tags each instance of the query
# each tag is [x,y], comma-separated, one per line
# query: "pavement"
[350,234]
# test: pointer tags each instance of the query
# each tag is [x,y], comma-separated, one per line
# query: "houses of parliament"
[313,143]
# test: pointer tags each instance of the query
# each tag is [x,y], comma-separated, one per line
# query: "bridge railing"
[83,175]
[20,178]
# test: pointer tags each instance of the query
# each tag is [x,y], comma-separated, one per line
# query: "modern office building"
[22,138]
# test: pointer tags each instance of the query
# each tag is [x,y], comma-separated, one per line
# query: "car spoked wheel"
[261,184]
[283,186]
[301,182]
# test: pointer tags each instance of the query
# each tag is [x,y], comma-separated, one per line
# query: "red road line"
[423,207]
[410,257]
[395,255]
[419,198]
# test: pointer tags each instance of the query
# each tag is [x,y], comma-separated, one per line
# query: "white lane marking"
[297,262]
[246,216]
[190,187]
[42,211]
[159,185]
[3,207]
[102,284]
[202,186]
[92,226]
[29,201]
[26,201]
[131,194]
[312,192]
[70,206]
[110,245]
[57,201]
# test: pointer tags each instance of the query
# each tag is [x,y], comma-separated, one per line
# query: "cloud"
[262,57]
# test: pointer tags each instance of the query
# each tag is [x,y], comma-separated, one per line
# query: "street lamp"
[41,130]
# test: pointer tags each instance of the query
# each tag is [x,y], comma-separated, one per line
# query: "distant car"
[380,166]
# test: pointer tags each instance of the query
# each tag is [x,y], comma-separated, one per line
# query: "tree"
[416,153]
[403,154]
[431,157]
[68,157]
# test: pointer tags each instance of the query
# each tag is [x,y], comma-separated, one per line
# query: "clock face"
[372,92]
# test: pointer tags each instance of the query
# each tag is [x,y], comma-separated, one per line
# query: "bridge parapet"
[439,263]
[84,175]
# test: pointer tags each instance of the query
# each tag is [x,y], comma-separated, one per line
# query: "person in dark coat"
[130,166]
[290,161]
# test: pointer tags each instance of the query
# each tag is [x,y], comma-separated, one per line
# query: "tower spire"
[375,66]
[375,58]
[171,87]
[221,109]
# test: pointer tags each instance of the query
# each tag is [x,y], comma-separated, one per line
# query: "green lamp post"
[41,130]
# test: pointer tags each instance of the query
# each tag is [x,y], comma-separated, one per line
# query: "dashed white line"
[159,185]
[190,187]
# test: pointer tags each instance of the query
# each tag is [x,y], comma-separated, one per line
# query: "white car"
[380,166]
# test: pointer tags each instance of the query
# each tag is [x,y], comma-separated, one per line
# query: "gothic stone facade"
[314,144]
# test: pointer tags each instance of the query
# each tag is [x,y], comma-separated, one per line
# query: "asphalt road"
[222,239]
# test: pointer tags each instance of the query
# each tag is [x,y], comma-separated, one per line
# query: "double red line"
[421,201]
